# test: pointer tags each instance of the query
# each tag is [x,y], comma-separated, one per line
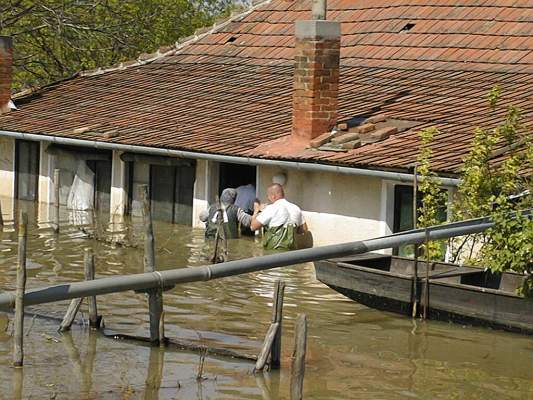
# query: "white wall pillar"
[7,167]
[119,195]
[386,211]
[205,188]
[46,175]
[7,176]
[46,186]
[199,202]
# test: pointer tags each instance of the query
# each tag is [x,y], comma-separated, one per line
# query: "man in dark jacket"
[226,213]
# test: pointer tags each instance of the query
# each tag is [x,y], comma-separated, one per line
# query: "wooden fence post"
[298,357]
[70,315]
[426,282]
[415,246]
[56,200]
[277,318]
[18,350]
[1,217]
[88,261]
[155,296]
[272,342]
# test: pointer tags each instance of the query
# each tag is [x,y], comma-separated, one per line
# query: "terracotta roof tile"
[214,94]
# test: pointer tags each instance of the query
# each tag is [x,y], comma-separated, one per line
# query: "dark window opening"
[407,27]
[235,175]
[231,39]
[171,193]
[102,183]
[403,215]
[27,170]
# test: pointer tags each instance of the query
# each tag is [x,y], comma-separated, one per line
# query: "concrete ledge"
[6,42]
[317,29]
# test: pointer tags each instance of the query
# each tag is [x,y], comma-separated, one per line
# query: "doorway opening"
[235,175]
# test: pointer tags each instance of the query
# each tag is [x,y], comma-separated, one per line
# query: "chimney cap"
[320,8]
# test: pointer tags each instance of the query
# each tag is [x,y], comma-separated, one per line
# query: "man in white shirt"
[281,220]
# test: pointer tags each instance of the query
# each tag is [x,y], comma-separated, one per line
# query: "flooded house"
[327,102]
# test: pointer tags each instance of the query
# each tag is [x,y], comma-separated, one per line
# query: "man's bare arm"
[255,224]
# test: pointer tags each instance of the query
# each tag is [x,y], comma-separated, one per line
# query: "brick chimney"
[6,62]
[316,75]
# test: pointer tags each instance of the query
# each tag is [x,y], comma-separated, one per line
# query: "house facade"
[328,102]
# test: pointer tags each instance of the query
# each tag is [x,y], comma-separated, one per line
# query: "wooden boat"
[459,294]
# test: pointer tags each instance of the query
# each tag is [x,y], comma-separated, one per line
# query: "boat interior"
[438,271]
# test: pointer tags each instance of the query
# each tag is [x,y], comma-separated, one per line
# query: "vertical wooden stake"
[56,200]
[298,357]
[415,262]
[162,329]
[155,296]
[277,317]
[426,283]
[88,261]
[18,350]
[1,216]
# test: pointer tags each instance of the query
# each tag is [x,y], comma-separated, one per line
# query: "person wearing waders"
[231,216]
[281,221]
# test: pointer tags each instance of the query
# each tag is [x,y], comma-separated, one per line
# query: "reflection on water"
[353,351]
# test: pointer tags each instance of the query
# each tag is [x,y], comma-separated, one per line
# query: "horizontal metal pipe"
[183,275]
[304,166]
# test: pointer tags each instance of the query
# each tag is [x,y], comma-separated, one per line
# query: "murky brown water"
[353,352]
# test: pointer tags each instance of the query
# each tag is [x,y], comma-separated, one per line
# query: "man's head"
[275,192]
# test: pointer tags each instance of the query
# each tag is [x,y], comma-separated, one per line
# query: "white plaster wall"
[119,195]
[337,208]
[7,167]
[46,210]
[200,199]
[46,175]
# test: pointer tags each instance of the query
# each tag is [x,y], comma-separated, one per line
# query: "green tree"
[496,181]
[53,39]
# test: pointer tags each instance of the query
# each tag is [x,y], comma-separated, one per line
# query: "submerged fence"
[168,278]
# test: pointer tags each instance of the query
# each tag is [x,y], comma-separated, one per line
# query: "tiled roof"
[430,62]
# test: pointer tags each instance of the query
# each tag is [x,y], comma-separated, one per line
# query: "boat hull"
[385,286]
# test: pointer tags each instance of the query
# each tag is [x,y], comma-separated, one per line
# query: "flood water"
[353,352]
